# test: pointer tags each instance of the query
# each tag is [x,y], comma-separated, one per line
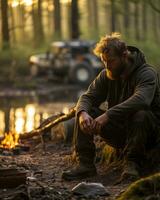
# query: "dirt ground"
[44,172]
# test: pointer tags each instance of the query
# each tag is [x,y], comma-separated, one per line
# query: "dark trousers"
[135,136]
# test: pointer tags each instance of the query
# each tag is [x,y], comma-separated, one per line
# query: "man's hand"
[99,122]
[85,122]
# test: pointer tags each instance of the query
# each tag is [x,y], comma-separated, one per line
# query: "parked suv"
[69,60]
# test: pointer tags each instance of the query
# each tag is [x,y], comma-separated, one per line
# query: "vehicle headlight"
[33,59]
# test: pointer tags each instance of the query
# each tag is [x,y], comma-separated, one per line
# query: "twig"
[48,125]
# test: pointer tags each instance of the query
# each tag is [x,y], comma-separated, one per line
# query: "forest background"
[28,27]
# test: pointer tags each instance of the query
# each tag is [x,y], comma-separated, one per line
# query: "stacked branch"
[48,124]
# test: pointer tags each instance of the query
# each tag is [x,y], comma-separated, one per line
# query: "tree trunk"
[75,32]
[136,20]
[12,31]
[5,26]
[113,16]
[126,17]
[38,33]
[57,18]
[155,5]
[93,16]
[39,21]
[34,25]
[22,22]
[144,19]
[155,26]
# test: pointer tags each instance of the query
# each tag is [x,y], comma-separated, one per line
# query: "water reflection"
[30,111]
[20,119]
[25,119]
[23,114]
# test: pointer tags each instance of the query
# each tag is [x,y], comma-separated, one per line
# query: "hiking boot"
[79,172]
[130,171]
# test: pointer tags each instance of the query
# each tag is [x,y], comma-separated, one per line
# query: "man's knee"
[141,116]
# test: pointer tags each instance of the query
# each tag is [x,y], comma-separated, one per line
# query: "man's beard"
[115,74]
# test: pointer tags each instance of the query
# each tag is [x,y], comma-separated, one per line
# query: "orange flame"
[10,140]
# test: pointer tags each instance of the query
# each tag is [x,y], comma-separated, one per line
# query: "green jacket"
[140,90]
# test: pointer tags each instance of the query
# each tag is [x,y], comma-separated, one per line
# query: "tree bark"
[95,14]
[93,20]
[155,31]
[136,20]
[40,24]
[75,32]
[13,35]
[144,19]
[22,22]
[57,18]
[38,33]
[113,16]
[126,17]
[5,26]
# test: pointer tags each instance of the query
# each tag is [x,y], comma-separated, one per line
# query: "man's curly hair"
[110,42]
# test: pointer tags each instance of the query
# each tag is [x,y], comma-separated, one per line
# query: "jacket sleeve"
[95,94]
[140,100]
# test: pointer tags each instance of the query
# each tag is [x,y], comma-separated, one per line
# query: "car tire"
[82,73]
[34,70]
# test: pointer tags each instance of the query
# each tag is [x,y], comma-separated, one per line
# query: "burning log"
[9,141]
[48,124]
[10,145]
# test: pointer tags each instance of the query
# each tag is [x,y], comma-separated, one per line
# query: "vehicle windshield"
[59,50]
[75,48]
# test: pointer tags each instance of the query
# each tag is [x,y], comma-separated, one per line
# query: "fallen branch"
[48,124]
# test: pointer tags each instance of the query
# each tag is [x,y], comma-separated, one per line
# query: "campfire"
[14,140]
[10,140]
[11,145]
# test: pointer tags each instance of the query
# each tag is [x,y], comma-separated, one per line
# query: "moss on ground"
[144,189]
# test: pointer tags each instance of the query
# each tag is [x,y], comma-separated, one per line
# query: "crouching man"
[131,88]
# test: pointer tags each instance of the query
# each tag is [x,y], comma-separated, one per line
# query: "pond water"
[21,113]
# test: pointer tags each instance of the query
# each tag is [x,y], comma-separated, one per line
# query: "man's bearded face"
[114,65]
